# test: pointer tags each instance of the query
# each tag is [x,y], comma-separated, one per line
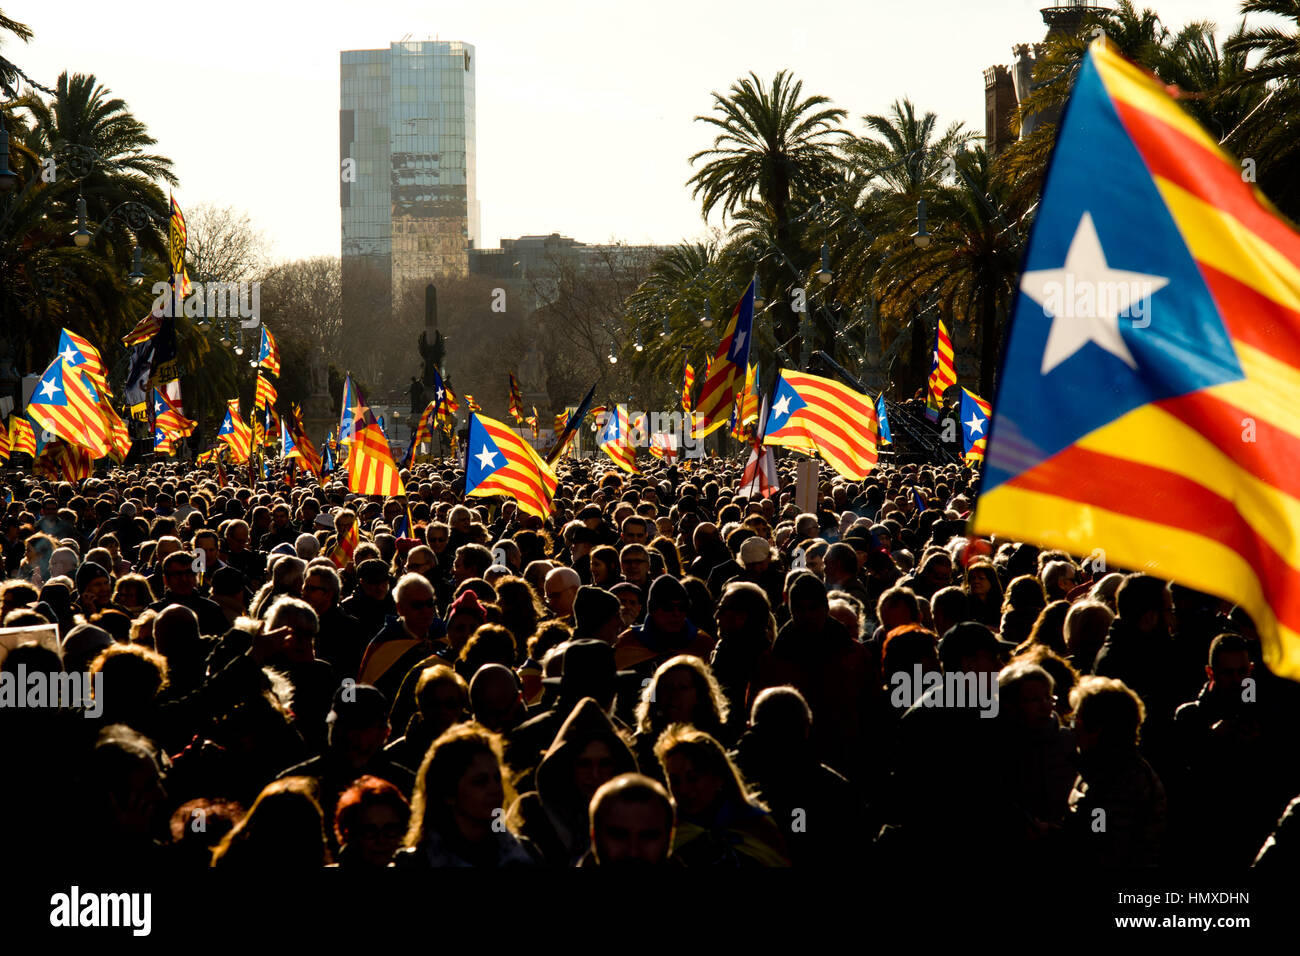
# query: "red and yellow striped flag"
[67,406]
[499,462]
[615,441]
[370,465]
[975,414]
[820,415]
[1159,427]
[472,405]
[119,436]
[345,546]
[143,330]
[22,440]
[85,358]
[265,393]
[942,374]
[688,383]
[726,373]
[236,434]
[516,400]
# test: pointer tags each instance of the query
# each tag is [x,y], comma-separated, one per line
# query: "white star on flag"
[782,408]
[1113,292]
[976,425]
[69,355]
[486,458]
[48,388]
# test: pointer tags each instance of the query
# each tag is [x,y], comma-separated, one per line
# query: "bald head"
[494,697]
[561,589]
[175,631]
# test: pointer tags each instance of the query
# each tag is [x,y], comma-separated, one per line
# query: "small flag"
[67,405]
[730,364]
[237,436]
[85,358]
[975,414]
[942,376]
[265,395]
[22,439]
[345,547]
[268,356]
[615,441]
[883,418]
[571,427]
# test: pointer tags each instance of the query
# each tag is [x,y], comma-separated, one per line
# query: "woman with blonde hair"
[458,811]
[720,822]
[284,830]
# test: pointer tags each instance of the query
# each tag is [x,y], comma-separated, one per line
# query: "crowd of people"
[665,671]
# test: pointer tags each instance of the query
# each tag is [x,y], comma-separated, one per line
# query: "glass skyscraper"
[406,122]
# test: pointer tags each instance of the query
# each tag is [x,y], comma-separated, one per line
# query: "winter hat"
[467,603]
[82,645]
[89,571]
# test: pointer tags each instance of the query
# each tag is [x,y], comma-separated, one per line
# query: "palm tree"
[970,268]
[775,148]
[902,161]
[9,72]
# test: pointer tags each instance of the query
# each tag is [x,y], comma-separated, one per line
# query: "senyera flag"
[500,462]
[942,374]
[1152,368]
[819,415]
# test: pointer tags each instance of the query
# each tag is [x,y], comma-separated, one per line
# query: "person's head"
[596,614]
[416,604]
[284,830]
[949,606]
[1107,714]
[321,588]
[357,723]
[372,578]
[299,616]
[936,569]
[93,586]
[1086,624]
[667,605]
[179,576]
[604,566]
[630,602]
[306,546]
[438,535]
[1146,604]
[1059,579]
[896,607]
[465,616]
[840,563]
[460,787]
[683,690]
[701,777]
[237,535]
[781,716]
[496,698]
[442,697]
[370,820]
[634,563]
[561,588]
[633,822]
[124,781]
[634,530]
[744,609]
[809,607]
[472,561]
[421,560]
[17,594]
[134,676]
[1026,695]
[1230,663]
[970,647]
[1025,595]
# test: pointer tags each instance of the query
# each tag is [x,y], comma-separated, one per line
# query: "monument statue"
[318,373]
[418,399]
[431,349]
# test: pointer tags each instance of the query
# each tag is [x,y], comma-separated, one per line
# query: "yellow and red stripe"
[525,476]
[837,423]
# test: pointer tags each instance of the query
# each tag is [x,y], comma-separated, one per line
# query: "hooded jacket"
[554,816]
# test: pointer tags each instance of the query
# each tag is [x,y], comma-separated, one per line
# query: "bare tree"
[222,245]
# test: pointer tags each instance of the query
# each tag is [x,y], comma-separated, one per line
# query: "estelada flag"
[614,441]
[169,417]
[143,330]
[1152,369]
[974,425]
[268,355]
[237,435]
[726,374]
[499,462]
[820,415]
[371,469]
[85,358]
[67,405]
[265,393]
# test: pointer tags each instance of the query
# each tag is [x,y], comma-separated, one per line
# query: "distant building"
[530,261]
[1005,88]
[408,194]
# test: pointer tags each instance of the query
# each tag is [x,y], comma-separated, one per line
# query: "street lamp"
[706,320]
[663,333]
[7,176]
[136,275]
[921,238]
[82,235]
[613,355]
[825,273]
[640,346]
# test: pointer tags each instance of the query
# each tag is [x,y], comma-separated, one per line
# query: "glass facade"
[406,120]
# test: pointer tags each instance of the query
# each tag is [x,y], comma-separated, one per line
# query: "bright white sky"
[585,107]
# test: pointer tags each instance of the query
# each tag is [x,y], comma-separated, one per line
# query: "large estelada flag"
[817,414]
[726,374]
[942,374]
[1152,370]
[614,440]
[499,462]
[169,417]
[67,406]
